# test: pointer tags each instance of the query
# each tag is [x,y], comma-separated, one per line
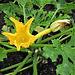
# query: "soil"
[48,68]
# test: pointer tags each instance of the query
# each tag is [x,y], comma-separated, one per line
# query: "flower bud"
[55,26]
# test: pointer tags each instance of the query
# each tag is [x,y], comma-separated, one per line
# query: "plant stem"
[39,39]
[55,13]
[21,65]
[14,50]
[24,14]
[40,45]
[10,50]
[45,40]
[65,38]
[21,69]
[25,49]
[3,43]
[6,44]
[35,64]
[13,66]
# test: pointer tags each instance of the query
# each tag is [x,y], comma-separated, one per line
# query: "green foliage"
[7,29]
[63,6]
[22,2]
[3,38]
[2,54]
[28,8]
[67,8]
[12,10]
[10,7]
[60,17]
[67,51]
[8,15]
[40,3]
[20,9]
[65,28]
[27,4]
[42,18]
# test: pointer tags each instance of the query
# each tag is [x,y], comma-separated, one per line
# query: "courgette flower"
[22,37]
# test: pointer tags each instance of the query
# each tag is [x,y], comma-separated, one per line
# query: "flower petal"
[18,24]
[27,25]
[17,45]
[10,36]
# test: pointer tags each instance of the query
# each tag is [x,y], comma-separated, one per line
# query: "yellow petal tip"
[4,33]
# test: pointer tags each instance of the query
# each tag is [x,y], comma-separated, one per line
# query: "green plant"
[42,19]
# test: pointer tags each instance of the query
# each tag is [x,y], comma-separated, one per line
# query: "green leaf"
[22,2]
[65,28]
[49,52]
[52,53]
[39,29]
[63,6]
[2,54]
[73,37]
[28,8]
[41,18]
[11,7]
[3,38]
[40,3]
[73,23]
[60,3]
[60,17]
[67,51]
[67,7]
[6,28]
[8,15]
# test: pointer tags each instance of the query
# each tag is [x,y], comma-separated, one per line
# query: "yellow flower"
[22,37]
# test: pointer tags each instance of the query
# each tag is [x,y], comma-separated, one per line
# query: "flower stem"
[35,64]
[24,14]
[43,33]
[45,40]
[21,65]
